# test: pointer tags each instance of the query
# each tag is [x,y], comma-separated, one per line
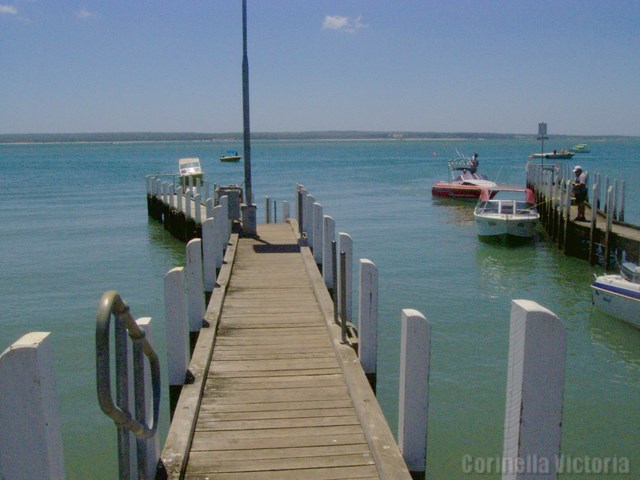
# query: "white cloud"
[344,24]
[8,9]
[84,13]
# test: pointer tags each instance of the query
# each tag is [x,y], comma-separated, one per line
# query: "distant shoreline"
[155,137]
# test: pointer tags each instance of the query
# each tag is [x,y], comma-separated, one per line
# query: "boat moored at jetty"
[465,182]
[618,295]
[189,171]
[506,212]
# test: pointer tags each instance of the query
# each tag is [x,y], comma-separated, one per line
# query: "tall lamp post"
[249,227]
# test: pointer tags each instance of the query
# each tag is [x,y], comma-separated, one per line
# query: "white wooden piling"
[209,204]
[308,218]
[595,199]
[413,399]
[622,195]
[607,233]
[219,228]
[195,288]
[198,209]
[328,236]
[317,233]
[615,199]
[566,213]
[188,197]
[153,443]
[30,438]
[209,254]
[368,318]
[176,326]
[535,384]
[225,222]
[285,211]
[346,246]
[179,199]
[206,190]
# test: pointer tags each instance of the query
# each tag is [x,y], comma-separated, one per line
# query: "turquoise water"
[74,224]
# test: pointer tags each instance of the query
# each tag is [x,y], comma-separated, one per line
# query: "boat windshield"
[190,167]
[630,271]
[505,207]
[467,176]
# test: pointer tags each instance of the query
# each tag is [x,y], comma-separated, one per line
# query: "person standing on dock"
[580,191]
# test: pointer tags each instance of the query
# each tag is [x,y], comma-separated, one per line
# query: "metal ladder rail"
[112,304]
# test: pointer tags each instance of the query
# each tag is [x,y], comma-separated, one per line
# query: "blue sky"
[389,65]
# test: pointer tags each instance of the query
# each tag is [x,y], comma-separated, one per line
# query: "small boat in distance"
[465,183]
[580,148]
[555,155]
[619,295]
[231,156]
[189,172]
[506,212]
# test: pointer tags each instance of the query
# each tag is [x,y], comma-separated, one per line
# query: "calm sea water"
[74,224]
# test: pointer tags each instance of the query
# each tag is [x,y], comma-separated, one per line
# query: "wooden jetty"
[277,394]
[274,388]
[605,234]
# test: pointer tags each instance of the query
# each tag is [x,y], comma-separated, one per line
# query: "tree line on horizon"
[209,137]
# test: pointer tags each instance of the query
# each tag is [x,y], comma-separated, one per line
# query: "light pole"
[249,227]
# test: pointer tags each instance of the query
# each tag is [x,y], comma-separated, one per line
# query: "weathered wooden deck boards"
[621,229]
[283,399]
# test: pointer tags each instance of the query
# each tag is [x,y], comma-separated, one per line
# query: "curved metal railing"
[125,324]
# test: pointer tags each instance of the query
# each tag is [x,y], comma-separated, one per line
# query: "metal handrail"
[112,304]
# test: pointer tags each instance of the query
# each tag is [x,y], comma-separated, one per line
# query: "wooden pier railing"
[605,234]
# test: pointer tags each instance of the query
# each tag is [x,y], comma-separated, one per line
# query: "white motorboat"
[189,172]
[619,295]
[506,212]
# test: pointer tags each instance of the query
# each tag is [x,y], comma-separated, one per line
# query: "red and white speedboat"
[465,183]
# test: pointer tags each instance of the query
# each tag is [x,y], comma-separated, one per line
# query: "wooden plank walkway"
[621,229]
[281,397]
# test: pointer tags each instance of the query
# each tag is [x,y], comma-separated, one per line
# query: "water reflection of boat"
[502,270]
[459,212]
[619,295]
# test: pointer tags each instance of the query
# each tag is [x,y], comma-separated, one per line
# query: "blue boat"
[231,156]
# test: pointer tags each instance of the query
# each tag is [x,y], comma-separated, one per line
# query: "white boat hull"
[615,296]
[497,225]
